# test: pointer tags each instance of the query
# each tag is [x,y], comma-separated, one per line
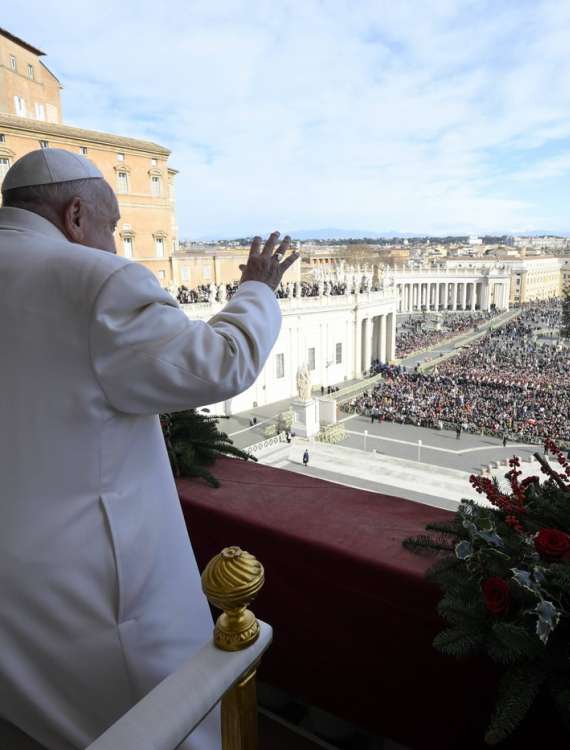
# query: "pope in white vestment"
[101,595]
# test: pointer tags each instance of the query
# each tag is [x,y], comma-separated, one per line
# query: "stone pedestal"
[327,411]
[305,417]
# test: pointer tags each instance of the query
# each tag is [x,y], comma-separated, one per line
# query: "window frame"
[159,242]
[122,177]
[279,365]
[4,162]
[20,106]
[155,180]
[128,240]
[311,359]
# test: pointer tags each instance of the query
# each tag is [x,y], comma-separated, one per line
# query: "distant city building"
[532,278]
[195,265]
[31,118]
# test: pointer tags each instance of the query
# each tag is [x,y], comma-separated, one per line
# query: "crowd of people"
[311,289]
[206,293]
[508,383]
[413,335]
[223,292]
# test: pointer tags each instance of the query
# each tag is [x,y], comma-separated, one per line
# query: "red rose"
[496,595]
[552,544]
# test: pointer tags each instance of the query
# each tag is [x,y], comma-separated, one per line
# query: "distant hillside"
[333,233]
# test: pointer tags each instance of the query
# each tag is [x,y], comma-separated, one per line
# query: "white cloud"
[281,113]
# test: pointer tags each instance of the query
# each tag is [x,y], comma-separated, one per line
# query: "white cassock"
[100,593]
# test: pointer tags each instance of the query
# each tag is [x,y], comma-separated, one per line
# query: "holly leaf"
[548,618]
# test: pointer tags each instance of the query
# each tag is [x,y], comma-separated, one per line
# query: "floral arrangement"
[505,575]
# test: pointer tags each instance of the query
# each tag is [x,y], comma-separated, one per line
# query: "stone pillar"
[382,338]
[433,296]
[485,296]
[463,297]
[391,337]
[357,348]
[473,295]
[366,340]
[374,339]
[305,417]
[454,297]
[445,295]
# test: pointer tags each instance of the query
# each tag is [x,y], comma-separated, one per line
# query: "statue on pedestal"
[289,290]
[211,293]
[222,295]
[304,383]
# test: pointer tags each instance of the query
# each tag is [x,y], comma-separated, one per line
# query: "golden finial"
[231,581]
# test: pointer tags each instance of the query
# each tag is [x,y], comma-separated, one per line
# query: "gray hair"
[56,195]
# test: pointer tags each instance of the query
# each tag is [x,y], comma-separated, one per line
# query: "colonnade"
[376,340]
[448,295]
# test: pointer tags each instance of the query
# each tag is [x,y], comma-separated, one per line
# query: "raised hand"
[268,265]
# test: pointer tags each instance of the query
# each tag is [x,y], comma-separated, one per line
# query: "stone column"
[358,348]
[374,338]
[485,296]
[391,337]
[433,296]
[473,295]
[366,340]
[463,297]
[382,338]
[454,297]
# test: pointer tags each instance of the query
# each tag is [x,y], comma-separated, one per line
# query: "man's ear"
[74,219]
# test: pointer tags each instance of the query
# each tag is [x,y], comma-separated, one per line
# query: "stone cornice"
[34,128]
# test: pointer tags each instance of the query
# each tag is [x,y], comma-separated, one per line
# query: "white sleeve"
[149,357]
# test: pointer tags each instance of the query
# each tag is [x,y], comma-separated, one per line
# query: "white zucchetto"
[48,165]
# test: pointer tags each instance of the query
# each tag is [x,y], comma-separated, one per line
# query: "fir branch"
[193,440]
[453,528]
[427,544]
[459,641]
[518,688]
[510,642]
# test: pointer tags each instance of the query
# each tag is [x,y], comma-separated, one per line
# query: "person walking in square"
[305,457]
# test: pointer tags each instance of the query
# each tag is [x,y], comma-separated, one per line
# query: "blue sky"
[426,116]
